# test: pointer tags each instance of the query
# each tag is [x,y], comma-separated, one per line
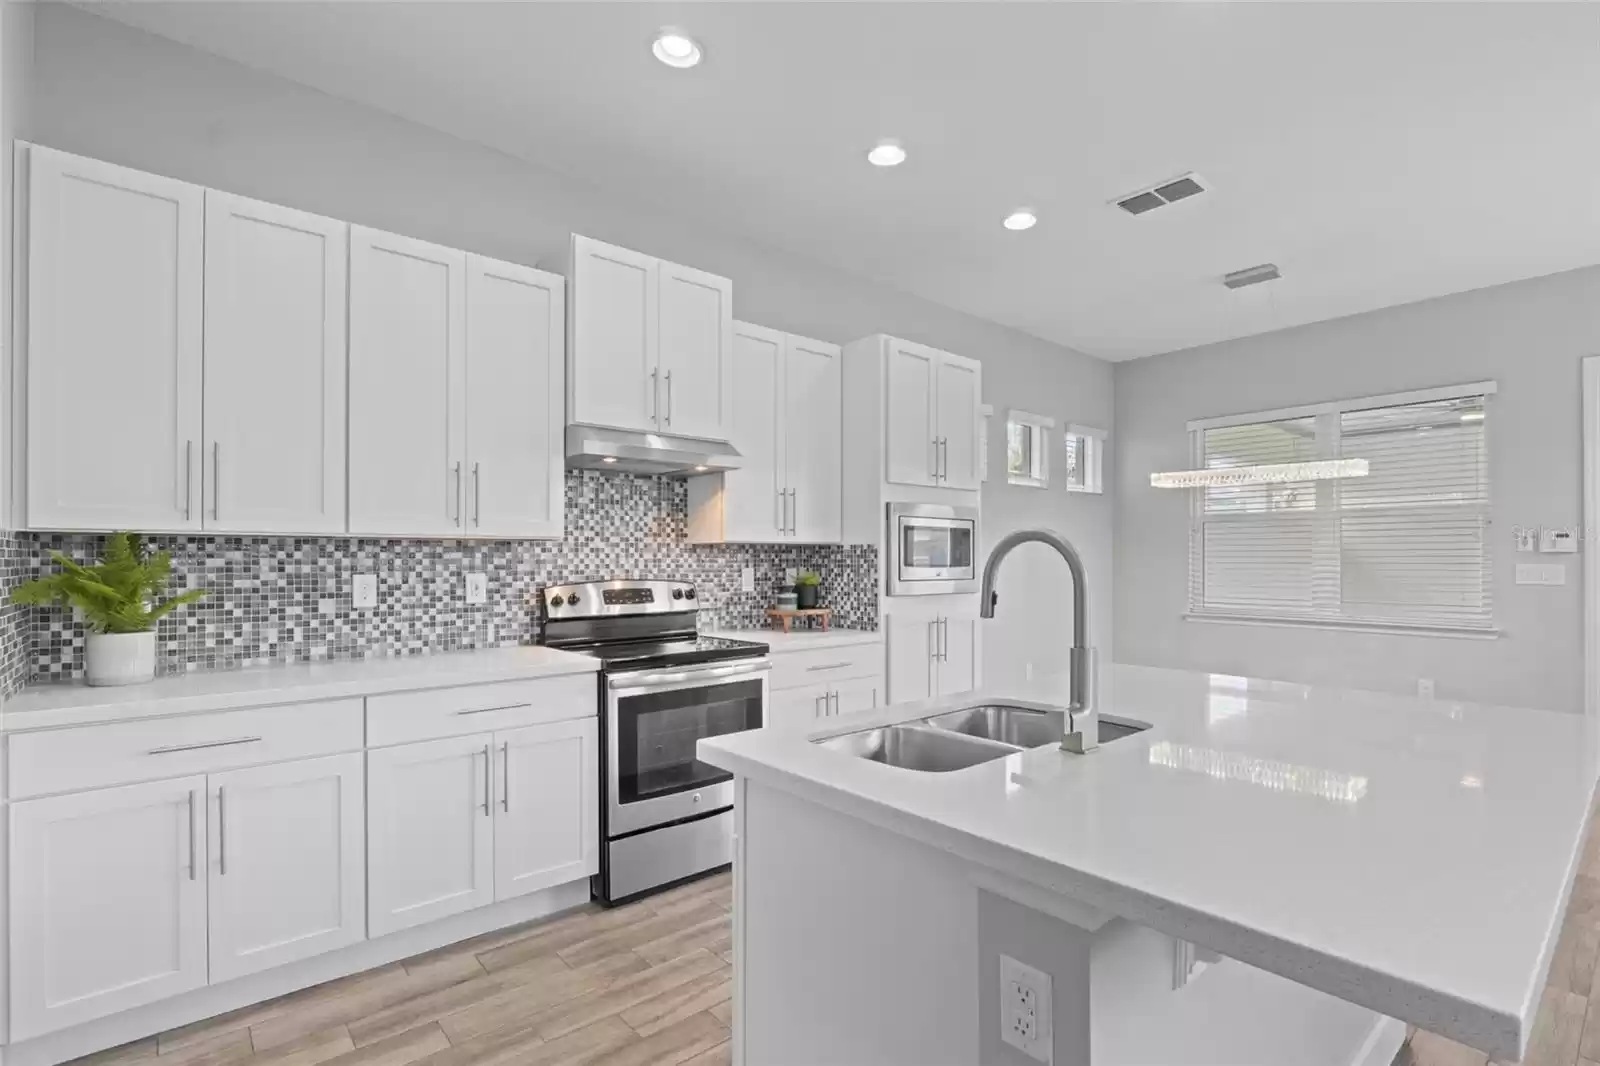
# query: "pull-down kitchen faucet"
[1082,728]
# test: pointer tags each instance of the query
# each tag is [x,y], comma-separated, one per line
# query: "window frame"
[1327,416]
[1040,433]
[1091,458]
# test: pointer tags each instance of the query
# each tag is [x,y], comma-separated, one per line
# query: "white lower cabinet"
[459,823]
[108,902]
[804,708]
[547,828]
[430,831]
[931,656]
[288,870]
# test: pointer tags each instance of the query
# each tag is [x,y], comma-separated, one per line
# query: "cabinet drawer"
[452,712]
[93,756]
[801,668]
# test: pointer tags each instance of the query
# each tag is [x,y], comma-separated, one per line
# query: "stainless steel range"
[665,815]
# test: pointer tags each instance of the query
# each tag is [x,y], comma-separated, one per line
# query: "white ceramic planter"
[120,658]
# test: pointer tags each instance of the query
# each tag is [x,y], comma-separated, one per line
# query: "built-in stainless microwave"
[932,549]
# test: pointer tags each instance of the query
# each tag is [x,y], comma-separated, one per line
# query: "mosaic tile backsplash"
[286,599]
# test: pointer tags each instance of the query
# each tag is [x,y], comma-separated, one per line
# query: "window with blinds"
[1406,545]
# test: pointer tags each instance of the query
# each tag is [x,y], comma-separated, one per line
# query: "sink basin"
[916,747]
[1026,727]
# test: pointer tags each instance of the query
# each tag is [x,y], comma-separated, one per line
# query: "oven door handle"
[688,677]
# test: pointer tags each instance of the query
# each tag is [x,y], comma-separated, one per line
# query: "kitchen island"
[1270,874]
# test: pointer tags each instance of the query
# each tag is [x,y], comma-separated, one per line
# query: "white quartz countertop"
[51,706]
[801,640]
[1411,856]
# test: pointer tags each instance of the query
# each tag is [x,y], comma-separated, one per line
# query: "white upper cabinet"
[108,902]
[812,431]
[910,399]
[613,365]
[786,425]
[696,318]
[514,392]
[933,403]
[960,408]
[273,453]
[115,290]
[288,863]
[650,344]
[407,409]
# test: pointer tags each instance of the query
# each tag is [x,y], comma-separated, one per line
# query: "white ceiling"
[1378,153]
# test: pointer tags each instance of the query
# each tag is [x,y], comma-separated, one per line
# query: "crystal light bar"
[1265,474]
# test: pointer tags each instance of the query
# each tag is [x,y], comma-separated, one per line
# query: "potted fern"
[116,599]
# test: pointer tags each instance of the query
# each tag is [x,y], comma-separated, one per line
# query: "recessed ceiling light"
[887,154]
[1022,218]
[676,49]
[608,458]
[699,469]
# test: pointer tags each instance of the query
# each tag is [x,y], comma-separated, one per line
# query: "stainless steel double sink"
[967,736]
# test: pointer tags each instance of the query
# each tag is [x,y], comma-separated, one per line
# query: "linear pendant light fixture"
[1265,474]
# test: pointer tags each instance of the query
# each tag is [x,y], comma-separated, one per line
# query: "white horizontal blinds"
[1253,548]
[1413,533]
[1404,545]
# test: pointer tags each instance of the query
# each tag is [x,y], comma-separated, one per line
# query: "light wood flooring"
[649,984]
[644,984]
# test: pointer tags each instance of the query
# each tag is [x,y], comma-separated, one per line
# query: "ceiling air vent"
[1251,276]
[1168,192]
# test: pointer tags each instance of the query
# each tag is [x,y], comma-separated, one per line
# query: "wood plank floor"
[649,984]
[643,985]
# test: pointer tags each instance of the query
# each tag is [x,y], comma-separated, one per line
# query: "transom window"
[1406,545]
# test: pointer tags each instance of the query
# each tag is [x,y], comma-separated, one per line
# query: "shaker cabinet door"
[115,290]
[814,431]
[696,336]
[108,902]
[959,410]
[910,381]
[910,644]
[515,377]
[430,831]
[288,863]
[753,501]
[547,827]
[613,377]
[407,341]
[273,452]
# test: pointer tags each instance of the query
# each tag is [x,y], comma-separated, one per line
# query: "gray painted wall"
[105,90]
[1529,337]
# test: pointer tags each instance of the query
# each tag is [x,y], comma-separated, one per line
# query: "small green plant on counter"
[117,594]
[807,577]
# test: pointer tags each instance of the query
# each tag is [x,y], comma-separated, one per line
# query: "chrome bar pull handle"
[933,464]
[222,831]
[794,511]
[816,705]
[782,521]
[488,779]
[194,869]
[456,471]
[655,395]
[505,776]
[669,397]
[477,497]
[188,478]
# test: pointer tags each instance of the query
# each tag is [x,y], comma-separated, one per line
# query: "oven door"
[932,555]
[654,719]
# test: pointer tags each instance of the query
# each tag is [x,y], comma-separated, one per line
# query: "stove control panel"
[602,599]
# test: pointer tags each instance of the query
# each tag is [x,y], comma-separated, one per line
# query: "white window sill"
[1027,482]
[1396,628]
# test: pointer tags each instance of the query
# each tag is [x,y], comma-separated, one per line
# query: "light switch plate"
[747,579]
[790,574]
[364,591]
[477,587]
[1541,574]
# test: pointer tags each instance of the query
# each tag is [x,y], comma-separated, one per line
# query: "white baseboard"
[212,1000]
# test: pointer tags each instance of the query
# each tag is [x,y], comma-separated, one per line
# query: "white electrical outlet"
[790,574]
[477,587]
[747,579]
[364,592]
[1025,1009]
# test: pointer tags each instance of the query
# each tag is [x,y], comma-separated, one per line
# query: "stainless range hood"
[630,452]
